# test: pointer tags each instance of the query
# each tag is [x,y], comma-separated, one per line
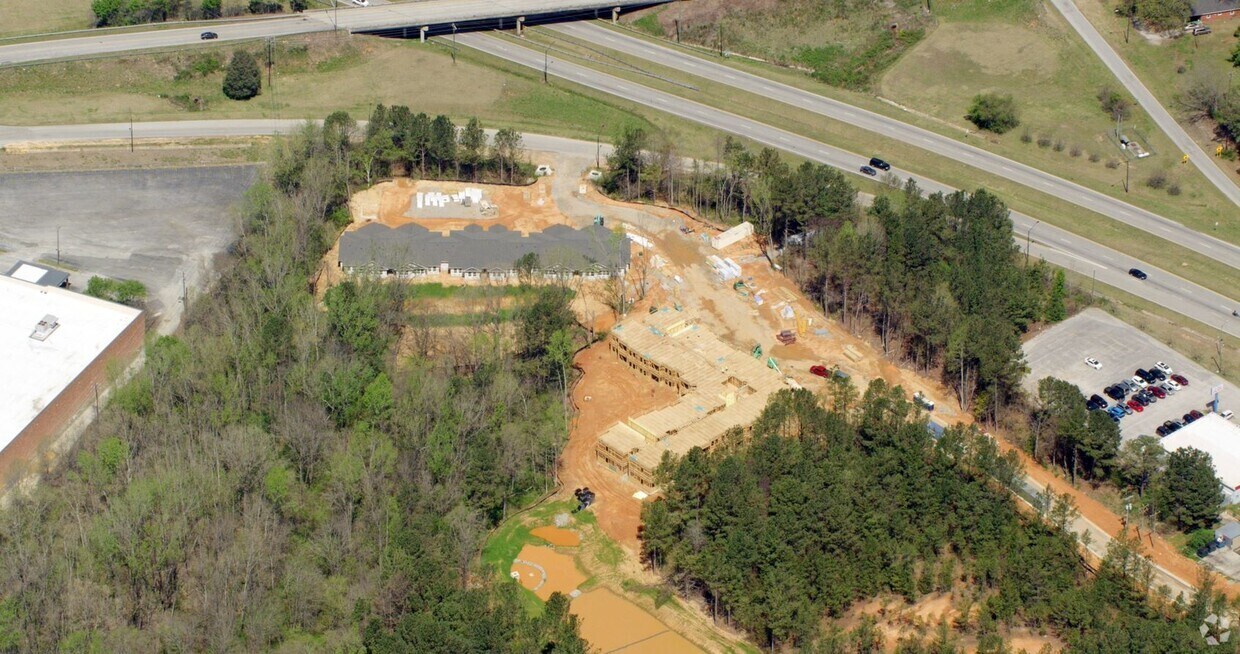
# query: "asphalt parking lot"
[148,225]
[1121,348]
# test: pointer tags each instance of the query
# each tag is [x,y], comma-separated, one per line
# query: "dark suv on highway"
[880,164]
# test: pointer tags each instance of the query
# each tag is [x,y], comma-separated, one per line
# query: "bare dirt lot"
[520,208]
[561,573]
[613,624]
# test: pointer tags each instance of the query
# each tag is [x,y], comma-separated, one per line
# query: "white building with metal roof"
[1220,439]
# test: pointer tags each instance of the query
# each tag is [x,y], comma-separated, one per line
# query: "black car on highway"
[207,36]
[1138,273]
[879,163]
[869,171]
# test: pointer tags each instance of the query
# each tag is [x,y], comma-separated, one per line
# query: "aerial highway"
[1041,240]
[1074,251]
[388,18]
[974,156]
[1182,140]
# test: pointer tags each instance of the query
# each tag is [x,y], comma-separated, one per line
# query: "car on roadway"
[1163,367]
[820,371]
[1180,379]
[1135,406]
[1093,363]
[1140,383]
[1156,392]
[879,163]
[1227,414]
[1138,273]
[1170,386]
[869,171]
[361,3]
[208,36]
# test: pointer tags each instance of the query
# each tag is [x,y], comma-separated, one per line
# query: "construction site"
[719,387]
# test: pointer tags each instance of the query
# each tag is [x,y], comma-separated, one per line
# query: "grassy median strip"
[1071,122]
[1189,264]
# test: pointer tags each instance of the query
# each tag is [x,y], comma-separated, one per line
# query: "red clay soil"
[558,537]
[614,393]
[613,624]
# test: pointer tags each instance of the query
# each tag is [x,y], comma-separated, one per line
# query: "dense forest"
[823,508]
[936,279]
[276,479]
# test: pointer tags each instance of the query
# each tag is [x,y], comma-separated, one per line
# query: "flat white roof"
[35,372]
[1217,437]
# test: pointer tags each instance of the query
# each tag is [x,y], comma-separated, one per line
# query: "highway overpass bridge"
[407,20]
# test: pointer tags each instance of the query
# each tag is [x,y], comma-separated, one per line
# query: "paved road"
[1056,245]
[1147,100]
[925,139]
[354,19]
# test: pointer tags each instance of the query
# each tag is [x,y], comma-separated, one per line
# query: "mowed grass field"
[19,17]
[315,75]
[1026,49]
[1169,66]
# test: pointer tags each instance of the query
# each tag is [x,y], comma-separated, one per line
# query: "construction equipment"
[598,220]
[787,337]
[757,351]
[654,309]
[773,364]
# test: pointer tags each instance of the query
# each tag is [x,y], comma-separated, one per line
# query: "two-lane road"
[915,136]
[1148,102]
[1045,241]
[354,19]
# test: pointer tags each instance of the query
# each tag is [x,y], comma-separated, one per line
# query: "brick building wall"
[21,454]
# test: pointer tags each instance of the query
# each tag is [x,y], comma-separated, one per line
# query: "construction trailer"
[732,236]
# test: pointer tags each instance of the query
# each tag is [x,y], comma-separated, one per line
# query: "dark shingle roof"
[494,249]
[1207,7]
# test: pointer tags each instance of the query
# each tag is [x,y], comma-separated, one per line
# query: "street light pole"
[546,62]
[598,146]
[1028,239]
[58,245]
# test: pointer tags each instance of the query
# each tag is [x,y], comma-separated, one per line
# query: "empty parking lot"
[148,225]
[1121,348]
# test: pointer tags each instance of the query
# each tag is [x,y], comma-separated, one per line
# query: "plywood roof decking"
[728,388]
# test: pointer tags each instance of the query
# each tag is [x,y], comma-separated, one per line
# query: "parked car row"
[1133,395]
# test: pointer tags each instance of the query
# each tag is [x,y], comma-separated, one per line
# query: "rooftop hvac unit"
[45,328]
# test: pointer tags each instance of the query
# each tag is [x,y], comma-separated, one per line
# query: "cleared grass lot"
[1168,67]
[317,74]
[1121,348]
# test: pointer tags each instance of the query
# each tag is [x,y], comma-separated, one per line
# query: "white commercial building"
[1220,439]
[58,349]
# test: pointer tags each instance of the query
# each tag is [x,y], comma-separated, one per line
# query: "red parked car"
[1157,392]
[1179,379]
[1135,406]
[821,371]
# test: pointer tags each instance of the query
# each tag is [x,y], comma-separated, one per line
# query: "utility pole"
[676,21]
[720,38]
[1028,239]
[546,62]
[1125,172]
[131,130]
[453,44]
[598,146]
[58,245]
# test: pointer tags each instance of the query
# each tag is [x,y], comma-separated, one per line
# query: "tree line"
[823,508]
[429,147]
[283,477]
[113,13]
[1180,487]
[937,279]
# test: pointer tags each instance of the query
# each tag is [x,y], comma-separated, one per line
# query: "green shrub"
[1174,189]
[994,112]
[1156,180]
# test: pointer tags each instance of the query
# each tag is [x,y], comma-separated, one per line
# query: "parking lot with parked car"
[1138,378]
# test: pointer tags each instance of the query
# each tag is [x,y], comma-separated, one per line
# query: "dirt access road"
[685,277]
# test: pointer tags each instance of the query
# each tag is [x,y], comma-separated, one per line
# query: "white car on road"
[1163,367]
[1093,363]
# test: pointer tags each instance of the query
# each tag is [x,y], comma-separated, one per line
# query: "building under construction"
[720,388]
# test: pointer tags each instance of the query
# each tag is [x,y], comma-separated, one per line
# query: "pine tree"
[243,79]
[1187,494]
[1055,309]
